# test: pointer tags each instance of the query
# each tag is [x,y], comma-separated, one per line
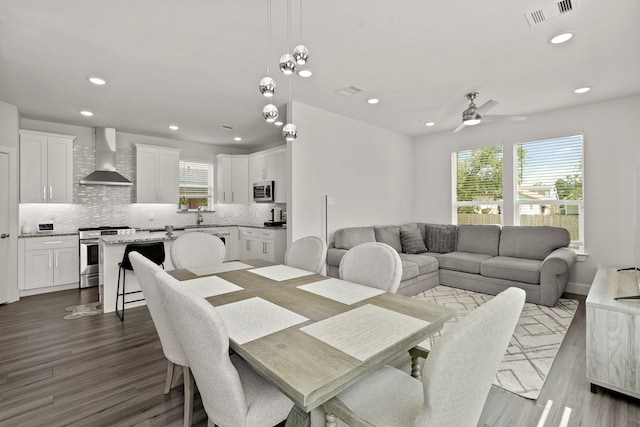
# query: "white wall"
[611,147]
[366,169]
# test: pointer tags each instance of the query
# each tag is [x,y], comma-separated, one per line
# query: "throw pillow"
[441,238]
[412,242]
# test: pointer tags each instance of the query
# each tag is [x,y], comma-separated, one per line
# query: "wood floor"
[97,371]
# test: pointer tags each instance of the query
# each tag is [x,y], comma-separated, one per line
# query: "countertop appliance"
[89,244]
[263,191]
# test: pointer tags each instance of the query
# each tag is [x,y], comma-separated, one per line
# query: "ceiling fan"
[475,115]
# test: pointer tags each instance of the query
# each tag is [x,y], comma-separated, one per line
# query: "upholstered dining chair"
[372,264]
[308,253]
[145,270]
[232,393]
[197,249]
[456,376]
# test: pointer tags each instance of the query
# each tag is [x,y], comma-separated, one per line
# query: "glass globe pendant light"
[287,64]
[301,54]
[270,113]
[289,132]
[267,86]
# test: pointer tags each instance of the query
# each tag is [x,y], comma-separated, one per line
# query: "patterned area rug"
[78,311]
[535,342]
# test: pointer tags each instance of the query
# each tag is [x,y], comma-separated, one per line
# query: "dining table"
[311,335]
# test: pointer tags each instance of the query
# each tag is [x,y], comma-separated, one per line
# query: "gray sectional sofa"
[482,258]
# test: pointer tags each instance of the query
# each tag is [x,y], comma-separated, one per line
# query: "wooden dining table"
[311,335]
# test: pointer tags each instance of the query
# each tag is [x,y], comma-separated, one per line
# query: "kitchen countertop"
[52,234]
[140,237]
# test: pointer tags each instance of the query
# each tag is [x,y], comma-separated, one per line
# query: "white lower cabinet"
[266,244]
[48,261]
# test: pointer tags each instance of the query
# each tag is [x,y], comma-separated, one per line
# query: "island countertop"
[138,238]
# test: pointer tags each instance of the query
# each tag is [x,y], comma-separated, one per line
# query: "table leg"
[298,417]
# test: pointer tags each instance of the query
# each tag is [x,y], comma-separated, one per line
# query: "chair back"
[460,369]
[145,270]
[204,338]
[372,264]
[197,249]
[308,253]
[153,251]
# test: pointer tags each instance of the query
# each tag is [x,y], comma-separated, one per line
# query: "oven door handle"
[89,241]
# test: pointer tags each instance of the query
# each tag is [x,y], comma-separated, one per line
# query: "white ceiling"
[197,63]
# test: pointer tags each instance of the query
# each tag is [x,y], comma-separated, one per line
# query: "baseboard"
[577,288]
[45,290]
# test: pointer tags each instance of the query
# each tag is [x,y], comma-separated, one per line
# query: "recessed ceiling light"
[97,81]
[582,89]
[237,138]
[86,113]
[560,38]
[278,123]
[429,124]
[173,127]
[305,72]
[373,100]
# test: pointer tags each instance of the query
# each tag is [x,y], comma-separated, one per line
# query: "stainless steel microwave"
[263,191]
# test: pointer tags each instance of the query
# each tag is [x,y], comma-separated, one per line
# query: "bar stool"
[154,251]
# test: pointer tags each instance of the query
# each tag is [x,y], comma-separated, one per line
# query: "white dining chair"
[372,264]
[232,393]
[145,271]
[197,249]
[456,376]
[308,253]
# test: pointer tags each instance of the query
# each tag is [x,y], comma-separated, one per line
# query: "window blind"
[196,179]
[479,174]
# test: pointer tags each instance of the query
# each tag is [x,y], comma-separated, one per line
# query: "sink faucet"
[200,219]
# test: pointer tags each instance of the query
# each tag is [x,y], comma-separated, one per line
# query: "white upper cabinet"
[46,167]
[232,183]
[261,167]
[157,174]
[270,165]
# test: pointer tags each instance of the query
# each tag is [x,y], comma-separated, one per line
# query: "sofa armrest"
[334,256]
[554,274]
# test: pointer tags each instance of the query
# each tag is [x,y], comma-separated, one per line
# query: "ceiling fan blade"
[462,125]
[484,108]
[499,118]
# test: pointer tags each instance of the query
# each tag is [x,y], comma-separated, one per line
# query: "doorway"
[8,225]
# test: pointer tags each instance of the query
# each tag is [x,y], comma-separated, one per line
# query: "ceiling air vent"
[348,91]
[551,10]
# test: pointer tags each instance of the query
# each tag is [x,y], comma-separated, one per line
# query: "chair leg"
[416,353]
[188,395]
[169,380]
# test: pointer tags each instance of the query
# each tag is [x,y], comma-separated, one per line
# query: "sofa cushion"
[532,242]
[412,242]
[426,264]
[508,268]
[409,270]
[466,262]
[347,238]
[389,234]
[441,238]
[479,239]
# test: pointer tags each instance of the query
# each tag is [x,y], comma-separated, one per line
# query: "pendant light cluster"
[287,66]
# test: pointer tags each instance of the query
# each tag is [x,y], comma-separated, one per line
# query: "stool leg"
[118,294]
[124,291]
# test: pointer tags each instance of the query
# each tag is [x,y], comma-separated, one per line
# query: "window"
[196,184]
[549,176]
[478,186]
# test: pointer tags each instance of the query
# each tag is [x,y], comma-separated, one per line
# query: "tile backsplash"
[100,205]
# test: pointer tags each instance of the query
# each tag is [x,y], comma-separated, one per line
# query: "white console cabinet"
[45,262]
[613,331]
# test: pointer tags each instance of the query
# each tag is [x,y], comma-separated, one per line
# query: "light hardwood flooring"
[97,371]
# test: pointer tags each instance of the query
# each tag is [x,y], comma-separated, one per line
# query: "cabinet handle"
[224,196]
[248,248]
[56,260]
[52,243]
[50,192]
[44,192]
[232,196]
[264,248]
[49,258]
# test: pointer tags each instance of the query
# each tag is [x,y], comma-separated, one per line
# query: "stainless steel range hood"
[105,173]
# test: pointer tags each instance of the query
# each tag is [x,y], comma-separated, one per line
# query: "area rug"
[535,342]
[78,311]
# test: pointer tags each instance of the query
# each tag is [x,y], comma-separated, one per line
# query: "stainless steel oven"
[89,252]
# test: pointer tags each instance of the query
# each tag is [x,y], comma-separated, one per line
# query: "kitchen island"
[111,252]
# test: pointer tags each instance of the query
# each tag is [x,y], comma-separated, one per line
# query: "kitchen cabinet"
[232,183]
[157,174]
[270,166]
[46,167]
[261,167]
[266,244]
[48,261]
